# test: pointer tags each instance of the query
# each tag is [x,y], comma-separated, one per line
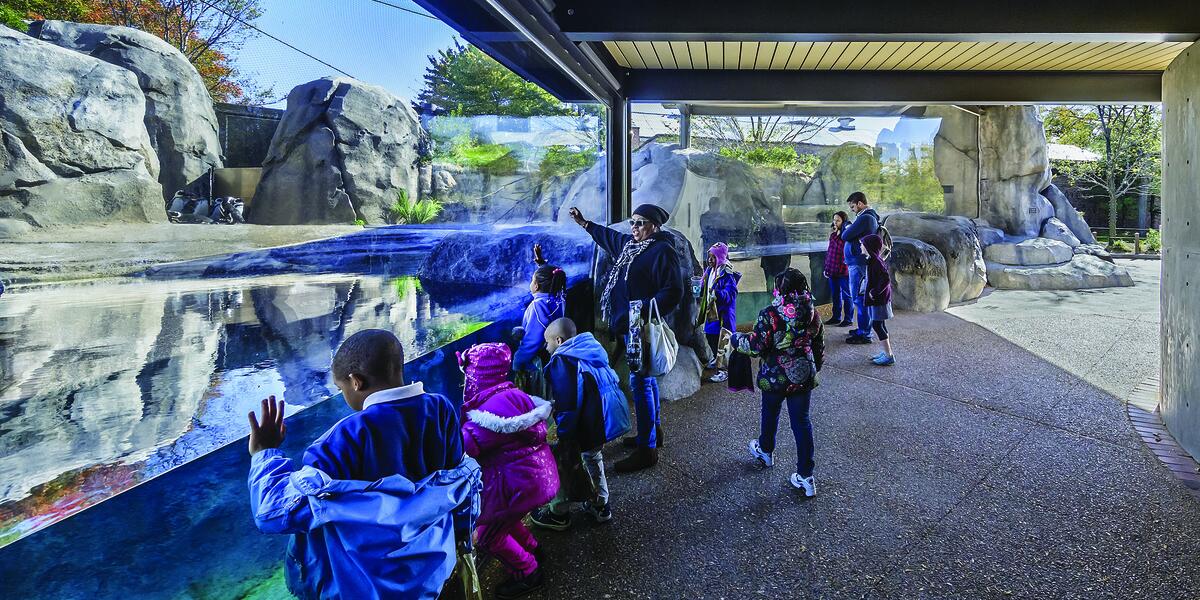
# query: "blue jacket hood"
[585,349]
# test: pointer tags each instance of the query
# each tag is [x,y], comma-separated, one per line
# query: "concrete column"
[619,143]
[685,126]
[1180,404]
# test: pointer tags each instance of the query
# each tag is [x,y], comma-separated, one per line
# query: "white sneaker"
[763,458]
[719,377]
[804,483]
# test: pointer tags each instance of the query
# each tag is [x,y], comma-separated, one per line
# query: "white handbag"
[661,347]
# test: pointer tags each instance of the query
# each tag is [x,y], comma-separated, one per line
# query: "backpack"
[887,242]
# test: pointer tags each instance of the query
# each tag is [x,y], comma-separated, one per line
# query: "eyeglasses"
[638,223]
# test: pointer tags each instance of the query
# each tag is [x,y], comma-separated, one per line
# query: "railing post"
[1137,242]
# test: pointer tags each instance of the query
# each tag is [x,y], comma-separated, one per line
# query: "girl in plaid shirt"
[838,274]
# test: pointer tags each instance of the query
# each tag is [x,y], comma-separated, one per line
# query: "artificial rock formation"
[1066,213]
[1058,231]
[1013,168]
[956,158]
[179,111]
[73,147]
[842,172]
[490,258]
[1082,271]
[1029,253]
[918,272]
[956,239]
[684,380]
[343,152]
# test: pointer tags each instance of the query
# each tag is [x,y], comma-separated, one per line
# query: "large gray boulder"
[179,111]
[956,239]
[918,273]
[73,148]
[1031,252]
[342,152]
[1014,167]
[1057,230]
[956,158]
[684,380]
[1082,272]
[1065,212]
[504,258]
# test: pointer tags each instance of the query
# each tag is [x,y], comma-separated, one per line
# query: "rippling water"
[106,384]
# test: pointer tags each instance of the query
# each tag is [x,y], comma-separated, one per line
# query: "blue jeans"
[839,295]
[797,405]
[857,274]
[645,404]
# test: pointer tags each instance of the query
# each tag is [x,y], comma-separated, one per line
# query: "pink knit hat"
[485,367]
[720,252]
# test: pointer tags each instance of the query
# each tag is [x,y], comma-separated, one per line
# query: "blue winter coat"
[866,223]
[589,406]
[390,538]
[540,313]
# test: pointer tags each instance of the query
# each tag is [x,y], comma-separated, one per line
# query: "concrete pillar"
[685,126]
[1180,404]
[620,138]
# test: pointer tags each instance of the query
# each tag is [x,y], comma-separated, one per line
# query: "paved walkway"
[973,468]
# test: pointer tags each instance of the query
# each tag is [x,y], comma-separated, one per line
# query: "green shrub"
[778,157]
[1153,241]
[407,212]
[561,160]
[360,222]
[1120,246]
[491,159]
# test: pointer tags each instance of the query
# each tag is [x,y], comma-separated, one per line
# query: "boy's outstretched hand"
[270,433]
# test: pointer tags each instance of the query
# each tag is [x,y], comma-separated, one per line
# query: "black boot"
[631,441]
[640,458]
[517,587]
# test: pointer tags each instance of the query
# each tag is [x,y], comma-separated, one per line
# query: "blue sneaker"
[884,361]
[879,356]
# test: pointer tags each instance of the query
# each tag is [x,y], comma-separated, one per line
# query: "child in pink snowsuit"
[505,430]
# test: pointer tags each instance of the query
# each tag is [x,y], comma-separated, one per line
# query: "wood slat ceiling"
[899,56]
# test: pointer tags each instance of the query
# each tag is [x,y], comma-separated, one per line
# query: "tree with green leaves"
[14,13]
[467,82]
[1128,140]
[762,140]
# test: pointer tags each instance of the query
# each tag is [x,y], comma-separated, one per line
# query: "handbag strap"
[654,314]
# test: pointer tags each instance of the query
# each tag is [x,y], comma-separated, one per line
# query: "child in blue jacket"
[548,286]
[590,410]
[372,507]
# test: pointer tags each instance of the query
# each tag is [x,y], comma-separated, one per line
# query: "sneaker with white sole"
[808,484]
[602,513]
[763,458]
[719,377]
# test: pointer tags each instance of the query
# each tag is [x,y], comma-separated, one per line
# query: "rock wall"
[73,146]
[956,158]
[956,238]
[1013,168]
[1180,404]
[342,152]
[179,111]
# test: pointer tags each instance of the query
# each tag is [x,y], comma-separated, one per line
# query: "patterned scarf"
[619,270]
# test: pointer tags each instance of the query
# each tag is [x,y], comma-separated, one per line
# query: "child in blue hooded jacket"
[373,508]
[589,410]
[548,286]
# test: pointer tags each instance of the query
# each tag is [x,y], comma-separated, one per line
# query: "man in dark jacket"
[866,223]
[646,268]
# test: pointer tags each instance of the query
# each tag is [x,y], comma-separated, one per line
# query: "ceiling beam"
[883,20]
[893,87]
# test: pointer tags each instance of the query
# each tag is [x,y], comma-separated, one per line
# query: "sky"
[369,40]
[388,46]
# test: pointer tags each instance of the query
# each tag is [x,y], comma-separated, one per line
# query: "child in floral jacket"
[788,338]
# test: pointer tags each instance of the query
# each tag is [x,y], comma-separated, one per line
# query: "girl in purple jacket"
[878,297]
[505,430]
[718,303]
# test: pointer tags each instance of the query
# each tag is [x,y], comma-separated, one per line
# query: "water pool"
[104,385]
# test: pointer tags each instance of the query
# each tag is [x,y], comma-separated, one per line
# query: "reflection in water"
[106,384]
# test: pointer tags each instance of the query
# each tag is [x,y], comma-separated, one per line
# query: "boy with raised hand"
[589,410]
[373,508]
